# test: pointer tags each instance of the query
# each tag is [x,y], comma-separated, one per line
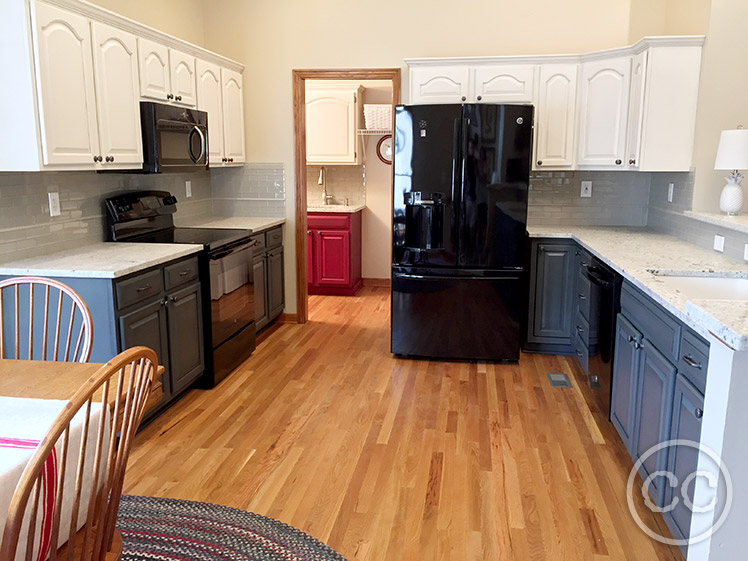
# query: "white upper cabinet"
[155,79]
[210,100]
[233,116]
[555,116]
[636,109]
[332,120]
[510,83]
[183,83]
[117,96]
[439,84]
[603,112]
[67,104]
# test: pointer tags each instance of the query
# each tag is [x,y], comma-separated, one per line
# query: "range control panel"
[143,204]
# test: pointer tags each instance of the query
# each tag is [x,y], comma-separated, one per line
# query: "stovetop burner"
[210,238]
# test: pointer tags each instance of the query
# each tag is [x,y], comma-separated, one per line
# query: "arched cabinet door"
[117,96]
[508,83]
[183,83]
[209,99]
[443,84]
[604,106]
[233,116]
[155,78]
[67,102]
[555,116]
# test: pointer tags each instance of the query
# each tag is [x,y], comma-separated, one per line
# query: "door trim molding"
[299,129]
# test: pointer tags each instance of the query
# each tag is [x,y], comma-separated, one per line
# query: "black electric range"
[225,271]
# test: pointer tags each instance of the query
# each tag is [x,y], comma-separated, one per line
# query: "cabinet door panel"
[155,81]
[654,405]
[447,84]
[261,306]
[636,110]
[333,252]
[310,258]
[182,74]
[552,312]
[66,81]
[233,115]
[688,407]
[117,95]
[604,111]
[554,130]
[184,314]
[209,99]
[625,379]
[331,126]
[147,327]
[276,300]
[504,83]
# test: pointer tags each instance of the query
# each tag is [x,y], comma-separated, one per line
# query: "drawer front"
[328,221]
[180,273]
[583,354]
[584,292]
[582,329]
[694,357]
[260,239]
[145,286]
[662,329]
[274,237]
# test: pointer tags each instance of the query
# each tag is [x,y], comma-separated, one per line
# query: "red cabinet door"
[311,281]
[333,264]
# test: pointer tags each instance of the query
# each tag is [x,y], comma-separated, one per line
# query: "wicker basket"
[378,116]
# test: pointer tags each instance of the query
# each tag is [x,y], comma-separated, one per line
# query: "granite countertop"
[256,224]
[104,260]
[635,252]
[347,209]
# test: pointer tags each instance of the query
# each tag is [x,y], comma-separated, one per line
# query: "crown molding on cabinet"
[639,46]
[141,30]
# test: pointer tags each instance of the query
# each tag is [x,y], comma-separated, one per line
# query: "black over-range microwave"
[174,138]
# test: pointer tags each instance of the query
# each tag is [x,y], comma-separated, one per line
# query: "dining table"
[32,393]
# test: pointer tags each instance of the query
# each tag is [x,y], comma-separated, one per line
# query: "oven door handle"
[232,249]
[592,273]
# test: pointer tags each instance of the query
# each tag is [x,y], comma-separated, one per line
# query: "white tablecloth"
[23,424]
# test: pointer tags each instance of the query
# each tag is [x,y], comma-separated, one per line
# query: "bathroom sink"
[706,287]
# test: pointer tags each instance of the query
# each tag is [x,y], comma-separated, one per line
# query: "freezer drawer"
[469,318]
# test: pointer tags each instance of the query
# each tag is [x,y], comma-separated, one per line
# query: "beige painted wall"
[272,38]
[723,95]
[668,17]
[180,18]
[647,18]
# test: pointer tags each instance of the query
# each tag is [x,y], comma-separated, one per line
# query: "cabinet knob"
[463,98]
[165,301]
[699,413]
[479,98]
[173,298]
[231,159]
[170,96]
[308,232]
[178,98]
[541,248]
[540,162]
[637,346]
[582,297]
[97,158]
[319,233]
[632,162]
[580,329]
[224,159]
[619,162]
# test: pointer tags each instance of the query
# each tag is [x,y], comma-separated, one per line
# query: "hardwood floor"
[392,459]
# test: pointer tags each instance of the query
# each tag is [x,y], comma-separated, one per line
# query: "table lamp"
[732,155]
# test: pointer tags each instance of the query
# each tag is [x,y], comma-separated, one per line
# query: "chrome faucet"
[321,181]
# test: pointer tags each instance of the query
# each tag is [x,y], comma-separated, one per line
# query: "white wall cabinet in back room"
[555,114]
[333,115]
[603,117]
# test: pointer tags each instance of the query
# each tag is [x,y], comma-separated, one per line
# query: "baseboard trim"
[287,318]
[378,282]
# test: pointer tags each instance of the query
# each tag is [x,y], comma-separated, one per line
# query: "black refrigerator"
[461,180]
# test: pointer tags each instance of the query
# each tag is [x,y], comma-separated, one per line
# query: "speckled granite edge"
[254,223]
[727,321]
[106,260]
[352,209]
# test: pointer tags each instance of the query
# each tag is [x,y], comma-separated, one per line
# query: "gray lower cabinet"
[268,277]
[185,330]
[146,327]
[551,306]
[625,372]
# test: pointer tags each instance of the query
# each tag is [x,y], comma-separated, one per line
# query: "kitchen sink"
[706,287]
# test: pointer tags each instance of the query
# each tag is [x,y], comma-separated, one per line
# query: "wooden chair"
[121,386]
[27,318]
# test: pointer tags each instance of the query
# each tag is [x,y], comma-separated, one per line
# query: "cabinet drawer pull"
[699,413]
[689,360]
[582,297]
[144,288]
[185,272]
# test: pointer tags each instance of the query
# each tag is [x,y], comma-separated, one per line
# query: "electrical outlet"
[54,204]
[745,252]
[719,243]
[586,189]
[670,188]
[188,189]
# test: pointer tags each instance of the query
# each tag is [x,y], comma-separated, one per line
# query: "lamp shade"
[732,153]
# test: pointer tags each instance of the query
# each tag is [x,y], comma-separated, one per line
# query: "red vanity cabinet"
[334,253]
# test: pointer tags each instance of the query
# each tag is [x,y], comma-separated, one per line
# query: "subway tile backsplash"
[250,190]
[343,182]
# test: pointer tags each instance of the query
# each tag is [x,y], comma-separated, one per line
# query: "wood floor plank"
[390,459]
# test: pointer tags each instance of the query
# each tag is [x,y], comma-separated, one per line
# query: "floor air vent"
[558,380]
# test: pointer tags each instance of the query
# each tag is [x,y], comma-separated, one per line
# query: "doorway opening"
[300,78]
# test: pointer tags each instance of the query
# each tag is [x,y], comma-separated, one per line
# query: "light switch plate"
[719,243]
[188,188]
[586,189]
[670,188]
[54,204]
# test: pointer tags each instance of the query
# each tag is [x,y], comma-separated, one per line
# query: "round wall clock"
[384,149]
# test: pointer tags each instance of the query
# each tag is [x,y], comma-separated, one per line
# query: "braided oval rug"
[156,529]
